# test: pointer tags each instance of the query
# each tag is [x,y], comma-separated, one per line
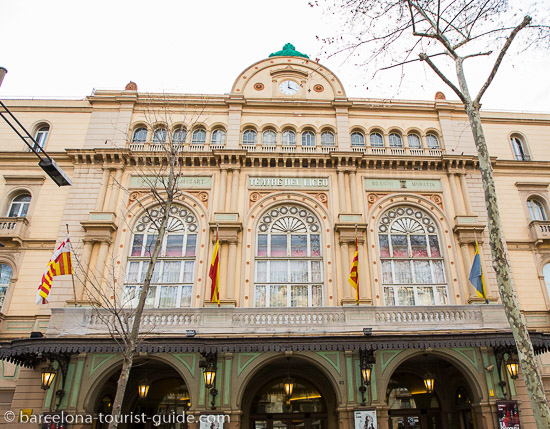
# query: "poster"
[508,415]
[212,421]
[365,419]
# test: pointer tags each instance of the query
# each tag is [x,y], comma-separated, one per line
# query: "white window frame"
[356,135]
[23,208]
[308,139]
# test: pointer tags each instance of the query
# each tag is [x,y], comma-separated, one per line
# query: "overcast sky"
[67,48]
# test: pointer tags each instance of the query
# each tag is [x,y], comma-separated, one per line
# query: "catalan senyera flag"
[60,264]
[476,276]
[215,273]
[353,278]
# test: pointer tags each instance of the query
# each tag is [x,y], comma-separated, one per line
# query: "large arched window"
[308,139]
[269,138]
[159,135]
[519,148]
[172,281]
[357,139]
[289,138]
[395,140]
[199,136]
[19,206]
[42,135]
[289,260]
[140,135]
[414,141]
[179,136]
[327,138]
[432,141]
[218,137]
[5,278]
[411,259]
[536,209]
[249,138]
[376,140]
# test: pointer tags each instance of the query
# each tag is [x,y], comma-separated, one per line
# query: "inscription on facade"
[402,184]
[185,182]
[288,182]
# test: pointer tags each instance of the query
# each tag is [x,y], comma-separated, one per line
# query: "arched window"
[172,281]
[269,138]
[411,260]
[140,135]
[218,137]
[159,135]
[432,141]
[395,140]
[519,148]
[546,273]
[376,140]
[308,138]
[536,209]
[41,135]
[179,136]
[357,139]
[249,138]
[289,138]
[19,206]
[5,278]
[289,259]
[199,136]
[327,138]
[414,141]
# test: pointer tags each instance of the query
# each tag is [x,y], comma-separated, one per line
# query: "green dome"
[288,51]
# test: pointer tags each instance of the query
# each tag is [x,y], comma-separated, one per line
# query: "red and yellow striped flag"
[353,278]
[215,273]
[60,264]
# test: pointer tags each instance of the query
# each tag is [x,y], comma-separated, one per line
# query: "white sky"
[68,48]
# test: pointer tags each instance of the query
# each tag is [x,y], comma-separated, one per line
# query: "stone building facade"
[290,172]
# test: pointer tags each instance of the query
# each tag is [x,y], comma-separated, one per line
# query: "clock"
[289,87]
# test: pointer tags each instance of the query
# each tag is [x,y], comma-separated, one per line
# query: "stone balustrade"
[239,321]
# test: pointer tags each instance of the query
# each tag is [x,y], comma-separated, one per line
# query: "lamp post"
[366,362]
[508,356]
[209,364]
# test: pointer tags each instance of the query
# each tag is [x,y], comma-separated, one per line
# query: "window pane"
[316,296]
[439,272]
[425,296]
[414,141]
[278,245]
[434,246]
[389,296]
[432,141]
[171,272]
[376,140]
[278,296]
[129,296]
[259,296]
[315,240]
[316,273]
[174,245]
[299,296]
[168,296]
[261,271]
[150,244]
[298,245]
[278,271]
[151,295]
[144,267]
[191,247]
[422,272]
[384,246]
[133,271]
[298,271]
[188,271]
[5,274]
[406,295]
[289,138]
[156,273]
[387,277]
[402,272]
[418,246]
[262,245]
[399,245]
[395,140]
[441,295]
[186,296]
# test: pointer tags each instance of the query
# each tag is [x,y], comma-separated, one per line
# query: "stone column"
[228,196]
[235,191]
[341,192]
[115,191]
[102,190]
[464,190]
[457,201]
[100,264]
[347,189]
[222,190]
[84,265]
[353,189]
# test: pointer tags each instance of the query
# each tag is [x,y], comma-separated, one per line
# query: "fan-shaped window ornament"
[173,275]
[288,265]
[411,257]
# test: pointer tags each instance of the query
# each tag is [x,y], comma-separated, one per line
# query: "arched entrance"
[167,395]
[267,403]
[413,406]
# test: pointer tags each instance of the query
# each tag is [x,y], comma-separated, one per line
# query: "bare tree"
[444,34]
[120,313]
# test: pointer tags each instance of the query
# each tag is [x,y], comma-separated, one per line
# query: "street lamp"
[429,382]
[48,375]
[512,365]
[209,364]
[366,362]
[143,388]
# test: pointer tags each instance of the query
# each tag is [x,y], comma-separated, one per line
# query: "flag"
[60,264]
[353,278]
[215,273]
[476,276]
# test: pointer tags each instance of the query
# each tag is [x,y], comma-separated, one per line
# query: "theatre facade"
[293,177]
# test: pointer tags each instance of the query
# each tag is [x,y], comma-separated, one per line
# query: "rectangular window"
[174,245]
[418,246]
[278,245]
[425,296]
[298,245]
[316,272]
[133,272]
[434,246]
[261,271]
[389,296]
[387,276]
[259,296]
[278,271]
[298,297]
[191,246]
[278,297]
[262,245]
[399,246]
[188,271]
[422,272]
[316,295]
[315,240]
[137,245]
[402,272]
[171,272]
[406,295]
[298,271]
[185,300]
[150,244]
[384,246]
[168,296]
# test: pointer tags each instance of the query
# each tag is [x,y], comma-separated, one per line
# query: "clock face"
[289,87]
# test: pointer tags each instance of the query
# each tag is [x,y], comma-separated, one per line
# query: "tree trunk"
[121,388]
[526,354]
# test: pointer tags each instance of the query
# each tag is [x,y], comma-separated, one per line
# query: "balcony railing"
[539,230]
[335,320]
[13,228]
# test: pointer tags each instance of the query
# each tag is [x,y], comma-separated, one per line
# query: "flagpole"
[72,269]
[357,251]
[218,269]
